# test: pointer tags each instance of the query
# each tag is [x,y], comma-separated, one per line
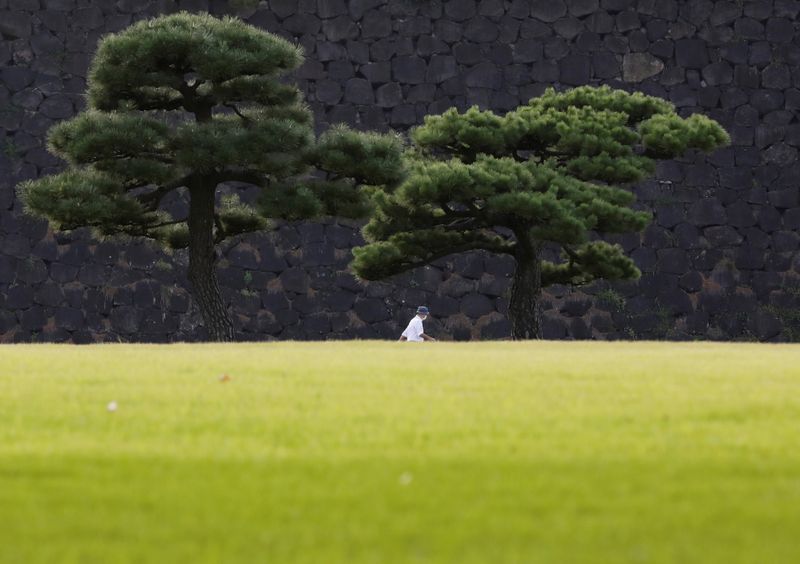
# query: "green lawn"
[386,452]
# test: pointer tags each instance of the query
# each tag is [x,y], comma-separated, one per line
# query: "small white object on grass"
[405,478]
[112,406]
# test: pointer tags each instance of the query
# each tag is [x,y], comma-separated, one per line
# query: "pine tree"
[554,173]
[188,102]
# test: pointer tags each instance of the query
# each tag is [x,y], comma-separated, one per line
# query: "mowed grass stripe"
[386,452]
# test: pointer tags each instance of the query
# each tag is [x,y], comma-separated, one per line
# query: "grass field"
[385,452]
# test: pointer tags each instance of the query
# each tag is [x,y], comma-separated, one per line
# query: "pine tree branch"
[235,109]
[152,199]
[471,246]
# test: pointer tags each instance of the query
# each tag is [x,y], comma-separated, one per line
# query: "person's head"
[423,312]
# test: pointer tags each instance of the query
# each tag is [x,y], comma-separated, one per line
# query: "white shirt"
[414,330]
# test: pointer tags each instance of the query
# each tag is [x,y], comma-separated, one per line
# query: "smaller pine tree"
[550,173]
[192,102]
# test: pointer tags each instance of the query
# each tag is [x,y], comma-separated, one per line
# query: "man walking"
[414,331]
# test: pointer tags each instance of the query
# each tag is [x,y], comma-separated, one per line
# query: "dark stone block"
[476,305]
[553,327]
[17,246]
[575,70]
[33,319]
[528,50]
[274,301]
[403,115]
[740,214]
[8,268]
[779,30]
[481,30]
[576,308]
[409,69]
[484,75]
[777,76]
[340,70]
[791,218]
[676,300]
[15,24]
[389,95]
[97,301]
[19,297]
[302,24]
[283,8]
[31,271]
[460,10]
[294,280]
[780,154]
[443,306]
[232,277]
[605,65]
[755,237]
[786,198]
[456,286]
[16,78]
[69,319]
[358,91]
[371,310]
[687,236]
[495,330]
[49,294]
[147,294]
[377,72]
[644,258]
[691,53]
[469,265]
[669,215]
[656,237]
[764,325]
[467,53]
[8,321]
[125,319]
[722,236]
[718,73]
[358,7]
[691,281]
[785,241]
[331,8]
[779,262]
[548,11]
[316,326]
[340,300]
[441,68]
[306,304]
[426,93]
[376,24]
[428,45]
[243,256]
[579,329]
[708,211]
[673,261]
[749,258]
[766,100]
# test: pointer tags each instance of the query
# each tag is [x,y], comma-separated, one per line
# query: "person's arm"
[427,337]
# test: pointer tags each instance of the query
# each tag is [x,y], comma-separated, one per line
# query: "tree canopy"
[556,171]
[189,101]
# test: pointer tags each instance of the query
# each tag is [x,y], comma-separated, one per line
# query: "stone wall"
[719,261]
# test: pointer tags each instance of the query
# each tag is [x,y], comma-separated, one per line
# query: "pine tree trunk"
[524,307]
[202,264]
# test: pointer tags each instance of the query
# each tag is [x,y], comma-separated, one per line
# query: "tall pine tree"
[553,172]
[190,102]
